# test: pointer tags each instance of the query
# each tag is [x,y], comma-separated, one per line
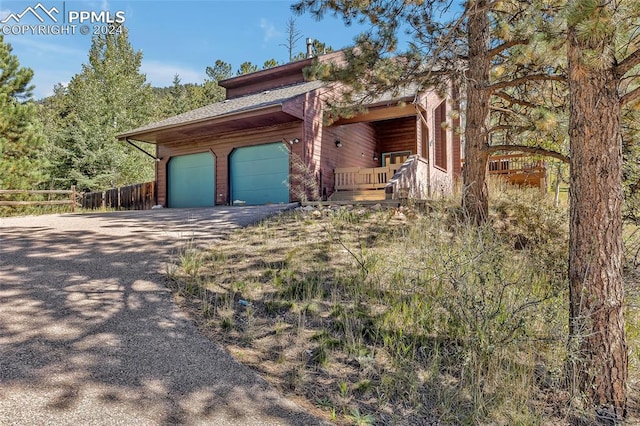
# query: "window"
[440,133]
[425,140]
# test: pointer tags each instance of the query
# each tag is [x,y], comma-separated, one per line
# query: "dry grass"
[396,317]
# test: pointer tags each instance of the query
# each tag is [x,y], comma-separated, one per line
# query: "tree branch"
[514,129]
[506,45]
[516,81]
[530,150]
[513,100]
[628,63]
[630,96]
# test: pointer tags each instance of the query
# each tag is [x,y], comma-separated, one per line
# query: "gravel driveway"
[89,334]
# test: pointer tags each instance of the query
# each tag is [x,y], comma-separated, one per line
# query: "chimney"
[309,47]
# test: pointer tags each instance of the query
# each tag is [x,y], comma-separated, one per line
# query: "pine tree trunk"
[597,349]
[475,197]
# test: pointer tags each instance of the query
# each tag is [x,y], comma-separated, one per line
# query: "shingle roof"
[231,106]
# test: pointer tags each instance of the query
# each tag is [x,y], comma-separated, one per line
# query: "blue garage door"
[191,180]
[260,174]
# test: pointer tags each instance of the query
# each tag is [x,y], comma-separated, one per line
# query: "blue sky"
[176,37]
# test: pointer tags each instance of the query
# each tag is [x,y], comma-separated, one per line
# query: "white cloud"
[42,48]
[268,29]
[160,74]
[45,82]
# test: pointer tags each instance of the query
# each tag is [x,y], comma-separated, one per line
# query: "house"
[268,142]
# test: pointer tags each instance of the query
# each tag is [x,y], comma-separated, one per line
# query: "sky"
[175,37]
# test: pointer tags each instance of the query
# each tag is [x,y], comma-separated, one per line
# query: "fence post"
[73,198]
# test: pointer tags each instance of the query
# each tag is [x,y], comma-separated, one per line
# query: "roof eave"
[132,134]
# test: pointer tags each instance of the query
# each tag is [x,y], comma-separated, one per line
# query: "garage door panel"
[260,174]
[191,180]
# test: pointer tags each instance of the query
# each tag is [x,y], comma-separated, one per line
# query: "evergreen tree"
[603,64]
[177,97]
[109,96]
[317,48]
[22,159]
[221,70]
[269,63]
[246,68]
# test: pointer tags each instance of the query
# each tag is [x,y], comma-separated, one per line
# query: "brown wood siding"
[441,136]
[266,84]
[221,147]
[359,143]
[397,135]
[313,129]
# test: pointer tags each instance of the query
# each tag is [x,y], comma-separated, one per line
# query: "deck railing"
[519,169]
[355,178]
[514,163]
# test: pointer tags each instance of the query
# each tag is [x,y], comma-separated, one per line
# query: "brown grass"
[397,317]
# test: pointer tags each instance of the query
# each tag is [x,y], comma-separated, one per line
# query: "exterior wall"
[398,134]
[221,147]
[319,148]
[359,144]
[265,84]
[441,179]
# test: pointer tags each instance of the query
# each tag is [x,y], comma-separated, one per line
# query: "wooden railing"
[519,169]
[355,178]
[515,163]
[69,199]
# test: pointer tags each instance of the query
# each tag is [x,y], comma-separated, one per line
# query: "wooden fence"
[70,198]
[141,196]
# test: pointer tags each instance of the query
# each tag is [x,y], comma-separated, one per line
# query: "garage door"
[260,174]
[191,180]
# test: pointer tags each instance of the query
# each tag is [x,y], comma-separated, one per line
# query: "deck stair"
[358,195]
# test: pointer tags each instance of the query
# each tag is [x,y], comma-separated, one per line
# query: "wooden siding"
[221,147]
[397,135]
[266,84]
[380,113]
[283,75]
[358,148]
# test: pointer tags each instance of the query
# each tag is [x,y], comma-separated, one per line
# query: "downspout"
[142,150]
[155,169]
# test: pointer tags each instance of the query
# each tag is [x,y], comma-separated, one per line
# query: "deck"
[359,184]
[519,169]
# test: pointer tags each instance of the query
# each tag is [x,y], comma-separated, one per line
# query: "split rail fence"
[70,198]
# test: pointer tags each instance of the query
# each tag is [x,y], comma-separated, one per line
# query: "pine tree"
[269,63]
[109,96]
[177,97]
[603,62]
[246,68]
[22,160]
